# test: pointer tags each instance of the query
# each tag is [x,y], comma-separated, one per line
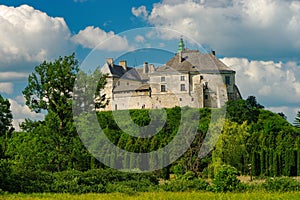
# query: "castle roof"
[119,71]
[193,60]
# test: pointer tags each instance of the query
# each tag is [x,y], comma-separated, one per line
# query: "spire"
[180,45]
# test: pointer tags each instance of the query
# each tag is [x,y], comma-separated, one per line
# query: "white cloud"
[94,37]
[256,29]
[12,76]
[20,111]
[275,84]
[6,87]
[290,112]
[140,11]
[139,38]
[30,36]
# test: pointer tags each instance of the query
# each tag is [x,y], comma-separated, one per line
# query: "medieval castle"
[189,78]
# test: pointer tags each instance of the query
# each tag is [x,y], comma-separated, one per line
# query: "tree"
[297,120]
[50,88]
[5,116]
[243,110]
[5,124]
[88,95]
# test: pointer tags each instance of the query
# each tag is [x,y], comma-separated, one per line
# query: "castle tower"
[180,45]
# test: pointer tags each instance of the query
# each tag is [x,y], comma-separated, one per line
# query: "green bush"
[74,181]
[281,184]
[226,179]
[99,180]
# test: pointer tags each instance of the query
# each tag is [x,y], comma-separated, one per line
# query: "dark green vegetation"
[48,155]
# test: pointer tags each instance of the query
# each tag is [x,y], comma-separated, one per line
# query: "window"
[163,88]
[182,78]
[182,87]
[119,83]
[206,96]
[192,99]
[180,99]
[116,107]
[127,83]
[162,79]
[227,80]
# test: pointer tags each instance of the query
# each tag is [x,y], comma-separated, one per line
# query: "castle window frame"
[162,79]
[163,88]
[182,78]
[227,80]
[182,87]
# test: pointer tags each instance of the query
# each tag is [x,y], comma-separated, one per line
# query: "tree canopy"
[50,87]
[5,116]
[297,120]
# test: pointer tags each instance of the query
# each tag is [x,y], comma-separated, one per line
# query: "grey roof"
[193,60]
[133,86]
[143,76]
[118,71]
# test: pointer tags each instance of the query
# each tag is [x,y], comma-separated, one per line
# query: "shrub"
[226,179]
[281,184]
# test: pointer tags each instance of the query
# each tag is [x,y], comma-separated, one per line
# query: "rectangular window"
[227,80]
[206,96]
[162,88]
[180,99]
[182,87]
[162,79]
[182,78]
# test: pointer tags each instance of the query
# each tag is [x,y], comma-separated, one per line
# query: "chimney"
[123,63]
[151,68]
[110,61]
[145,68]
[180,56]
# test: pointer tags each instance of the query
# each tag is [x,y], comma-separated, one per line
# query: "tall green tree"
[50,88]
[5,116]
[243,110]
[5,124]
[297,120]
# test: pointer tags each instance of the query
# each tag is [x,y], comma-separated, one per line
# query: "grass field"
[156,196]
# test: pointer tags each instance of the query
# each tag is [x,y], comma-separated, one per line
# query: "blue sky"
[259,39]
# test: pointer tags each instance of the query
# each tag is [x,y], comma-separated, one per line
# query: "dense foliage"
[226,179]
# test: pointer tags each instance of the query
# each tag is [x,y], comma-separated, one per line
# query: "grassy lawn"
[156,196]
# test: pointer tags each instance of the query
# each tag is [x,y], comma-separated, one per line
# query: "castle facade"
[189,78]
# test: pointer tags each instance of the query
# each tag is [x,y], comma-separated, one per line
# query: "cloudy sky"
[258,38]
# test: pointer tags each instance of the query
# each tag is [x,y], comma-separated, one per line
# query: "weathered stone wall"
[200,90]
